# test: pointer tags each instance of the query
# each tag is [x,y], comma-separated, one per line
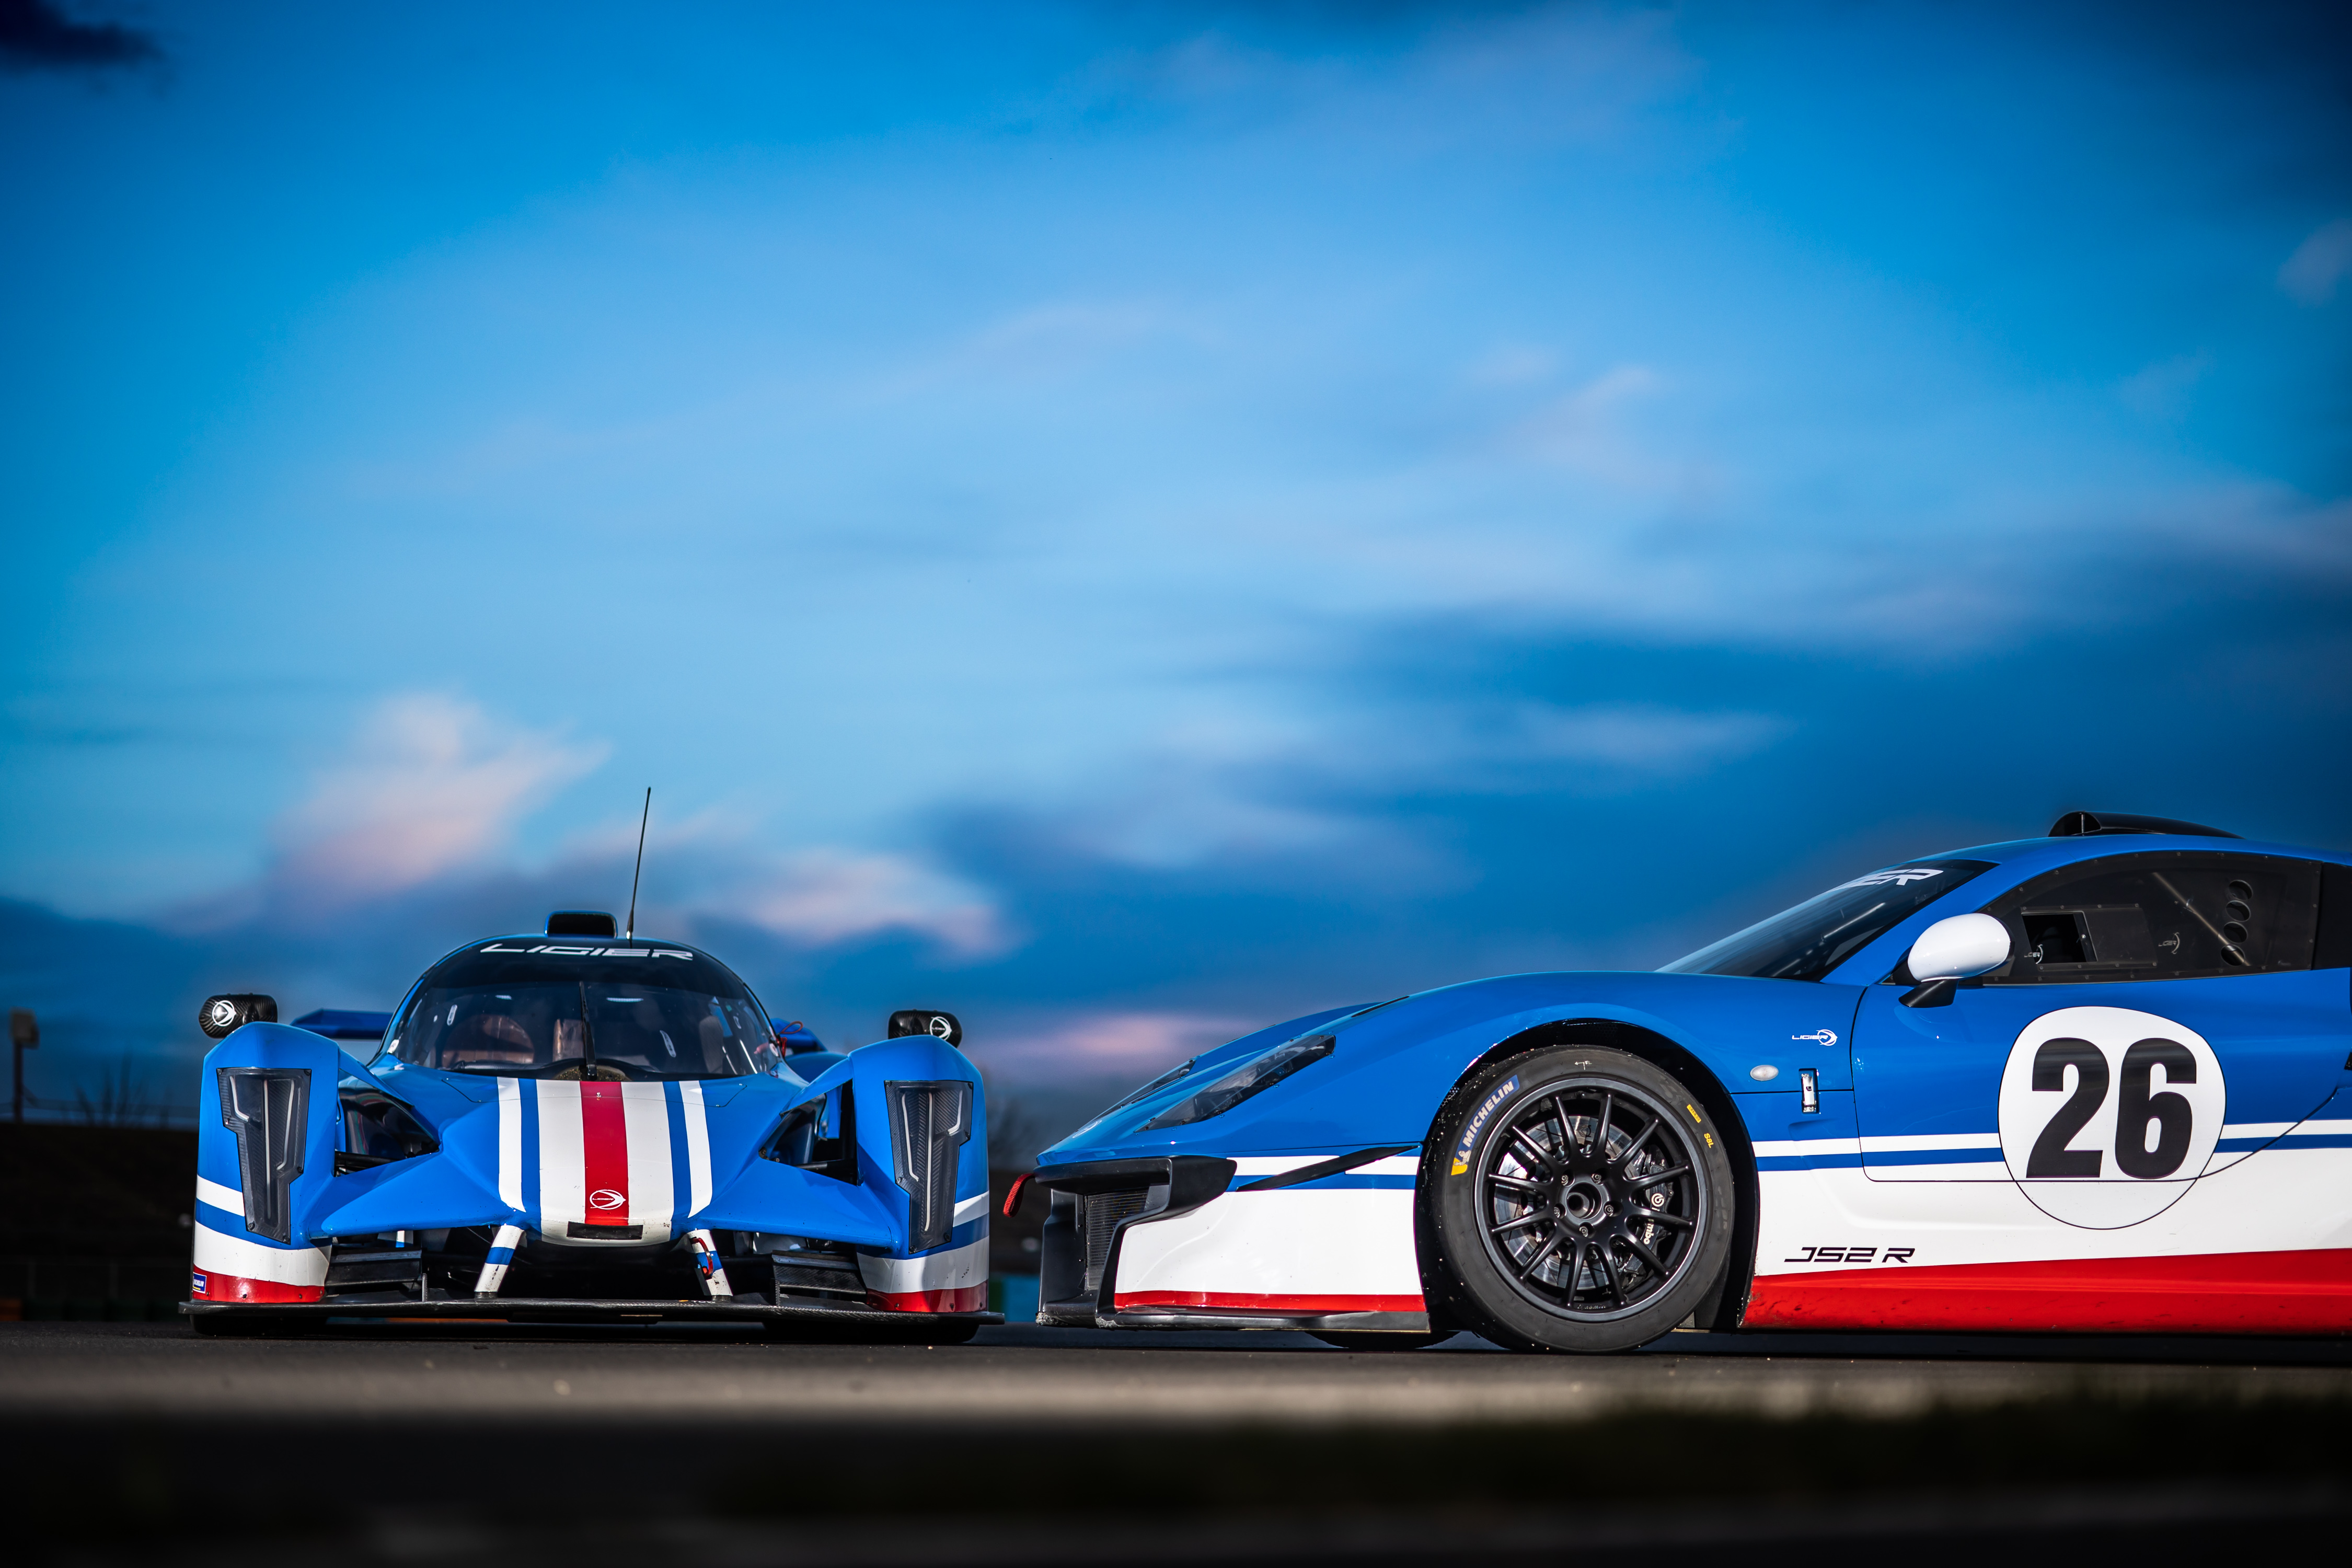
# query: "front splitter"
[1085,1315]
[542,1309]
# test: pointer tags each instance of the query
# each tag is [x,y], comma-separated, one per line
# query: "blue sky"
[1132,520]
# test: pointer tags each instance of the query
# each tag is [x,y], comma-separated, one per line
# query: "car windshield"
[574,1012]
[1807,942]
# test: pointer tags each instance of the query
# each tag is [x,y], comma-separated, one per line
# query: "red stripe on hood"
[604,1151]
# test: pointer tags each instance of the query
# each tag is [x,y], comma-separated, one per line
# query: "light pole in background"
[24,1034]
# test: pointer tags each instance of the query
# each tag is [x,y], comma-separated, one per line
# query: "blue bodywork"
[459,1185]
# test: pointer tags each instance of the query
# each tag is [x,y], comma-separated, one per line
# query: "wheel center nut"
[1583,1200]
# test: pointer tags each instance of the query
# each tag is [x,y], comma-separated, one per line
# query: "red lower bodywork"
[1296,1306]
[2230,1293]
[958,1299]
[219,1287]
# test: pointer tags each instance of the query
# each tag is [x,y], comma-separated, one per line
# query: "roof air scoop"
[2083,823]
[582,922]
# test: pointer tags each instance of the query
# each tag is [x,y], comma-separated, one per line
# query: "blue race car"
[569,1127]
[2100,1080]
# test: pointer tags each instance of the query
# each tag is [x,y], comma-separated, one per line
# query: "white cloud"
[1638,738]
[824,896]
[1050,340]
[424,811]
[1556,76]
[1511,365]
[1108,1044]
[1321,783]
[2309,276]
[433,786]
[1580,431]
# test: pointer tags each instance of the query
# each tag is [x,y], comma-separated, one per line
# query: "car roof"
[2047,854]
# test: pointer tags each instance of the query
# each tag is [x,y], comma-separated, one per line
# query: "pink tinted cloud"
[830,896]
[433,784]
[1114,1044]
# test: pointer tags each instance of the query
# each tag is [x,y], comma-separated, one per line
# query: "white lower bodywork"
[1297,1251]
[955,1268]
[219,1253]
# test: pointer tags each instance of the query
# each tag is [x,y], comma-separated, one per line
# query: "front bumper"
[1096,1206]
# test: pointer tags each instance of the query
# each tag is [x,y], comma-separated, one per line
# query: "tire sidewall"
[1475,1293]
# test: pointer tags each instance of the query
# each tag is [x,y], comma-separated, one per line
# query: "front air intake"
[269,1109]
[929,1122]
[1100,1220]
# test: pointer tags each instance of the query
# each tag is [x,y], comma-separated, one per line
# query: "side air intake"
[929,1122]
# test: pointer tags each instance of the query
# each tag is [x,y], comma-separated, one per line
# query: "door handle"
[1810,1082]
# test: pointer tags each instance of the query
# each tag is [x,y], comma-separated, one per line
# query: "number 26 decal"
[2107,1113]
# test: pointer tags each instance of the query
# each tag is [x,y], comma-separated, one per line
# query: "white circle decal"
[2106,1114]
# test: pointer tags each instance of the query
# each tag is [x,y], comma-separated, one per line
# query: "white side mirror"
[1961,948]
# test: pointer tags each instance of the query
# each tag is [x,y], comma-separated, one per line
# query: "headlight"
[1257,1074]
[1148,1089]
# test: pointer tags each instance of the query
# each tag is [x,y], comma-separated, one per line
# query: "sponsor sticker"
[197,1283]
[1494,1097]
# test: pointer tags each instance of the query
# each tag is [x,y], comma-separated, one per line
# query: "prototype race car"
[565,1127]
[2096,1081]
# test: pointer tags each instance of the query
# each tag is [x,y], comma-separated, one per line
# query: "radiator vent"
[929,1124]
[1102,1213]
[269,1109]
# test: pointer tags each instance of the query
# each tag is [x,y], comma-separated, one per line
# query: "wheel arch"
[1726,1302]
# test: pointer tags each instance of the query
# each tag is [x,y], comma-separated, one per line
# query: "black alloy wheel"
[1578,1199]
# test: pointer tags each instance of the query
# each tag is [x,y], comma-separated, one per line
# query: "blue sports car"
[570,1126]
[2100,1080]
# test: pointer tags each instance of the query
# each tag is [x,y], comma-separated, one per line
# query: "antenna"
[640,872]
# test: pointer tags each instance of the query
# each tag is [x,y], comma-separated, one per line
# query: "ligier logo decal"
[1494,1097]
[561,952]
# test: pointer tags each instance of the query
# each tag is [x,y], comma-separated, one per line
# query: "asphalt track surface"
[1028,1376]
[482,1442]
